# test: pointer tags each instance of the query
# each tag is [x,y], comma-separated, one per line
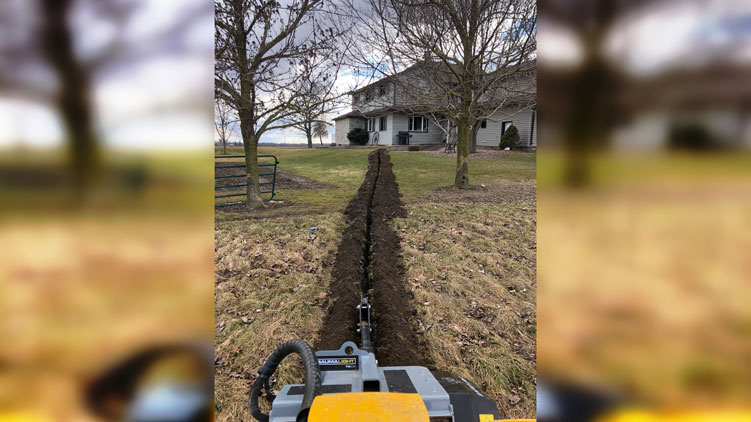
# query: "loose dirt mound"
[284,180]
[369,263]
[241,208]
[290,181]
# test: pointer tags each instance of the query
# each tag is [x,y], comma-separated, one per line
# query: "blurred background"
[644,221]
[106,215]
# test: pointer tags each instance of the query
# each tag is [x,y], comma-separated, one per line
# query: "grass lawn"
[343,169]
[470,259]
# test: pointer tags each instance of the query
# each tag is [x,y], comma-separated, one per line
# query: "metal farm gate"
[230,182]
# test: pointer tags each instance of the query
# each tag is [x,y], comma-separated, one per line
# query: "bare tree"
[41,62]
[258,46]
[320,129]
[457,60]
[224,122]
[583,101]
[314,92]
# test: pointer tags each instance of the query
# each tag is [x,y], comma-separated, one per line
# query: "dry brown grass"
[272,285]
[472,271]
[270,264]
[646,289]
[77,293]
[474,266]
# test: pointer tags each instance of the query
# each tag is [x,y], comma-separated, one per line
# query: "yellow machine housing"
[370,407]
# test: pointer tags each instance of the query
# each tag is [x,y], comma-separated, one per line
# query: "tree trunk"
[473,138]
[577,172]
[73,100]
[224,144]
[309,135]
[462,155]
[589,117]
[250,145]
[246,113]
[83,144]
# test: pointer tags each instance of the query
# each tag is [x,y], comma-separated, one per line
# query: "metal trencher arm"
[266,169]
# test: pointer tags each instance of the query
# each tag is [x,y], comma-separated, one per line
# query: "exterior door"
[505,126]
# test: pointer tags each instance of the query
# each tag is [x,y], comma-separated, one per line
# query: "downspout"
[532,126]
[393,118]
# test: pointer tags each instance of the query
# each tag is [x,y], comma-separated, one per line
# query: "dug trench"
[369,264]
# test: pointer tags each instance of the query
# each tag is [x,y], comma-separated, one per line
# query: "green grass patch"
[417,174]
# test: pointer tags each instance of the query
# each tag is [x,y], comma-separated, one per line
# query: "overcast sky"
[144,105]
[158,101]
[661,36]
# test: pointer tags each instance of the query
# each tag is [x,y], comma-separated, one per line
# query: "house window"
[356,98]
[371,125]
[368,95]
[418,124]
[505,126]
[381,90]
[382,123]
[483,124]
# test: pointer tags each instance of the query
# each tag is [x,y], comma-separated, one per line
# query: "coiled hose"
[312,378]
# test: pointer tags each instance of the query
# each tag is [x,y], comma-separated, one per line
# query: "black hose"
[312,378]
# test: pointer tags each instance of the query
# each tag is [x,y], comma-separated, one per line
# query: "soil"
[284,180]
[241,208]
[369,264]
[488,194]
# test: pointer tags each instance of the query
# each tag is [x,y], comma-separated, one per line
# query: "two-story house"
[386,111]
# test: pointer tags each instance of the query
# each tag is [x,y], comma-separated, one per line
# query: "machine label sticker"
[334,363]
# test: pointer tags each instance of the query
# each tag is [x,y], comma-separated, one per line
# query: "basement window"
[418,124]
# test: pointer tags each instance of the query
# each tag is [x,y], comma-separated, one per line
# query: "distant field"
[470,261]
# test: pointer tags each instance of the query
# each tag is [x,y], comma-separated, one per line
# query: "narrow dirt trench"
[369,264]
[365,284]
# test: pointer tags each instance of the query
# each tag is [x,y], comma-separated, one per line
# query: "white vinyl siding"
[341,130]
[395,123]
[374,98]
[491,135]
[343,126]
[383,127]
[400,123]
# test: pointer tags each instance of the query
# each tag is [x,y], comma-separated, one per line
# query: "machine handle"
[312,378]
